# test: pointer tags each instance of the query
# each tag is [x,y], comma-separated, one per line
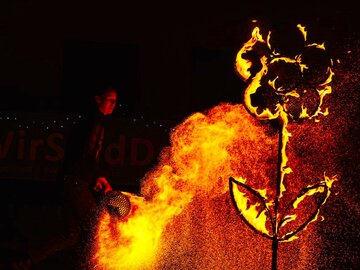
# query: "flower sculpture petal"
[281,79]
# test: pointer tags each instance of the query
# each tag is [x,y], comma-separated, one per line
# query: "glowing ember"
[285,88]
[185,219]
[206,150]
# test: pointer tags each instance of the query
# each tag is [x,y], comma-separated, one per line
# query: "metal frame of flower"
[286,88]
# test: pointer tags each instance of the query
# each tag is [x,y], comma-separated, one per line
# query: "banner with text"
[32,146]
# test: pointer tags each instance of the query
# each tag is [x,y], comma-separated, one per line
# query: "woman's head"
[106,100]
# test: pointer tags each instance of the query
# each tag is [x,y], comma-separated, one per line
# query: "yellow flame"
[328,181]
[289,218]
[135,242]
[292,238]
[302,30]
[243,68]
[283,166]
[304,113]
[308,193]
[326,89]
[285,59]
[252,88]
[243,65]
[199,161]
[269,44]
[250,210]
[293,93]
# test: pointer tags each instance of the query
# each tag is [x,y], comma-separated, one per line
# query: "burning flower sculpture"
[185,217]
[286,85]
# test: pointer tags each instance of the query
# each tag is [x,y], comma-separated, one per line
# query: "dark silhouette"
[82,183]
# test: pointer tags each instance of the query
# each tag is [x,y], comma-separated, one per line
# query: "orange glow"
[134,241]
[302,30]
[255,81]
[207,149]
[243,65]
[250,211]
[277,76]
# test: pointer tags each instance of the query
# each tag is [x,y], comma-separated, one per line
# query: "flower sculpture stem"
[274,253]
[285,100]
[282,160]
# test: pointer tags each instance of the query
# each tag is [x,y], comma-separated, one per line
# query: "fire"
[243,65]
[283,94]
[133,242]
[292,92]
[206,149]
[282,75]
[171,218]
[250,211]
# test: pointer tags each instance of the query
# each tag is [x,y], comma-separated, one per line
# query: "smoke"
[185,218]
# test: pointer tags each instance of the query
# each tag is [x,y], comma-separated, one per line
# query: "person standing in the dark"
[82,179]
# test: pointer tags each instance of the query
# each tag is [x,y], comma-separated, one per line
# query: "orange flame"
[282,94]
[206,149]
[252,212]
[243,65]
[134,242]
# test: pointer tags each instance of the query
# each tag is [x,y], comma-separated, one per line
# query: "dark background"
[169,59]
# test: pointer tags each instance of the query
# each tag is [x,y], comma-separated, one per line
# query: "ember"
[287,87]
[185,217]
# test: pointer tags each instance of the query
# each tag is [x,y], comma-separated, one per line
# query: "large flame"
[176,224]
[184,215]
[285,81]
[206,149]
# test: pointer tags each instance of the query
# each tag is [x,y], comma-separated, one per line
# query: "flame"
[286,96]
[243,68]
[323,188]
[206,149]
[250,211]
[252,88]
[243,65]
[284,169]
[302,30]
[134,242]
[281,109]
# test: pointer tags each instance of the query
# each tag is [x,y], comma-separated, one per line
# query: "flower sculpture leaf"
[302,211]
[251,206]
